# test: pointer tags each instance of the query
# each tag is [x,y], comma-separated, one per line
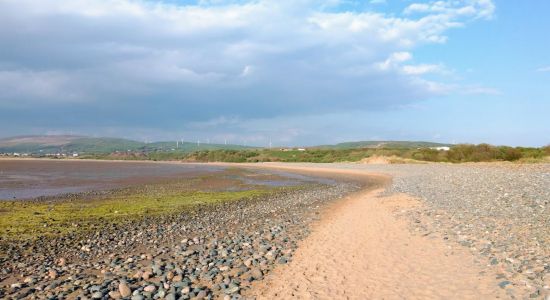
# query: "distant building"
[301,149]
[75,154]
[444,148]
[16,154]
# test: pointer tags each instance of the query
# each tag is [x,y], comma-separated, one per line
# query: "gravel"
[212,252]
[500,212]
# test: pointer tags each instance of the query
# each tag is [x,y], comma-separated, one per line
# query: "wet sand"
[31,178]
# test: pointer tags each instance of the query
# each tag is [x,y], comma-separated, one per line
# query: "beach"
[426,231]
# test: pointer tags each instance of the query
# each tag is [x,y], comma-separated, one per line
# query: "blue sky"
[300,72]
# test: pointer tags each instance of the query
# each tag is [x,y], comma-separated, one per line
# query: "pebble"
[498,211]
[150,288]
[124,289]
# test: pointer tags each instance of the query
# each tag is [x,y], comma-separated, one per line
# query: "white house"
[444,148]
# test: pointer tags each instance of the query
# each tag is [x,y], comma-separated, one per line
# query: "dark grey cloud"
[159,66]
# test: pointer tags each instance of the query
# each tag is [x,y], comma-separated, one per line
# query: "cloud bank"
[125,63]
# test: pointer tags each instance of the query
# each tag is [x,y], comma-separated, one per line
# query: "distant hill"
[383,144]
[81,144]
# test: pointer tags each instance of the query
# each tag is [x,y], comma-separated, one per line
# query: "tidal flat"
[212,232]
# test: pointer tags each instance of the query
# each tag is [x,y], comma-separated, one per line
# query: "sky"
[300,72]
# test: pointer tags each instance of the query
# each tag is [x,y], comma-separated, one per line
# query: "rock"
[16,286]
[52,274]
[170,275]
[232,289]
[146,275]
[208,266]
[256,273]
[201,295]
[61,262]
[170,297]
[150,288]
[124,289]
[115,295]
[30,280]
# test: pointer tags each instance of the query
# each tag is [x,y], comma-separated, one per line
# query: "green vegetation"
[114,148]
[29,219]
[99,146]
[458,153]
[384,144]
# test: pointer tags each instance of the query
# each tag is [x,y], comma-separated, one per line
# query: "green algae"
[32,219]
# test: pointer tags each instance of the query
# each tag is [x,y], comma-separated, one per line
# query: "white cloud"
[250,59]
[394,60]
[422,69]
[471,8]
[544,69]
[377,2]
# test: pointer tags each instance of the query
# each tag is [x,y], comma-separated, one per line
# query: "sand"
[360,249]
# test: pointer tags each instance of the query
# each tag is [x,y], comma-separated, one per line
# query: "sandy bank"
[361,250]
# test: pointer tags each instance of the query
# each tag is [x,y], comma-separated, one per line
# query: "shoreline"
[361,249]
[281,220]
[413,218]
[518,267]
[495,163]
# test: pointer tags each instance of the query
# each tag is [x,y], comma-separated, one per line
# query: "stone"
[124,289]
[61,262]
[233,288]
[201,295]
[256,273]
[16,286]
[150,288]
[115,295]
[146,275]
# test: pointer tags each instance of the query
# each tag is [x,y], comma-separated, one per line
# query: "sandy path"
[361,250]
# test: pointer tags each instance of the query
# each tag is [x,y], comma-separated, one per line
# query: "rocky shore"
[212,252]
[500,212]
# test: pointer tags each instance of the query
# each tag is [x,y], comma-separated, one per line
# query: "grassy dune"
[457,154]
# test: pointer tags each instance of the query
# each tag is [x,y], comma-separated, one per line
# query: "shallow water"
[25,179]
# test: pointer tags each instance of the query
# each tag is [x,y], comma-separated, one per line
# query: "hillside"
[80,144]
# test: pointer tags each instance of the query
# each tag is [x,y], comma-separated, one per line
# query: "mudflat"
[30,178]
[205,236]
